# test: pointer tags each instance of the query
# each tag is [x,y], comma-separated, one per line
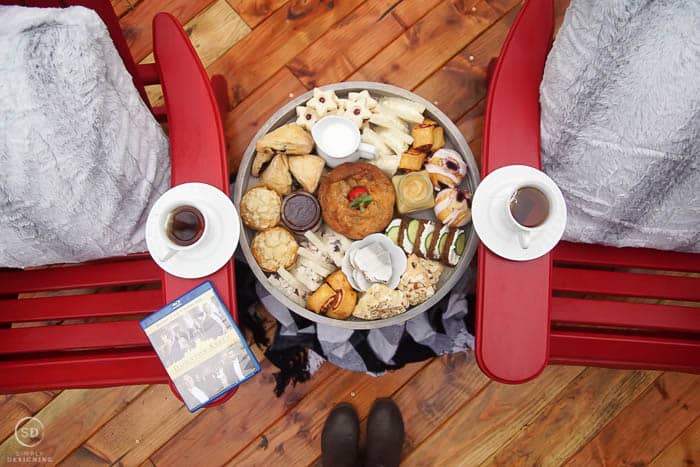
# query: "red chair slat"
[625,314]
[138,271]
[626,284]
[80,306]
[625,351]
[83,370]
[102,335]
[600,255]
[148,72]
[512,343]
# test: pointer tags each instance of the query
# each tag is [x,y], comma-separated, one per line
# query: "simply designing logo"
[29,432]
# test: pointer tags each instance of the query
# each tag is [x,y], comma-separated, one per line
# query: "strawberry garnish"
[359,198]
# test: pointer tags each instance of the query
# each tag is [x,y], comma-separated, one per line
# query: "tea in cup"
[182,226]
[527,209]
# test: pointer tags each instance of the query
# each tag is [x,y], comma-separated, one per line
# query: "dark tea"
[185,225]
[529,207]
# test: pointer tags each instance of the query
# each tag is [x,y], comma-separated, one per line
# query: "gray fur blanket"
[81,157]
[621,122]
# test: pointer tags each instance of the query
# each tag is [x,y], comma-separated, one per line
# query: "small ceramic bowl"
[398,261]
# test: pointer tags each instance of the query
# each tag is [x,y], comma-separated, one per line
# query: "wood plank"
[353,41]
[580,411]
[130,437]
[436,393]
[136,24]
[295,439]
[84,458]
[491,418]
[276,41]
[212,32]
[408,12]
[684,450]
[472,123]
[462,82]
[476,147]
[254,12]
[433,395]
[120,7]
[430,43]
[73,416]
[247,118]
[13,407]
[215,30]
[217,435]
[647,425]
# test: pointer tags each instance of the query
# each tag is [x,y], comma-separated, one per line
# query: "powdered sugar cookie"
[357,112]
[342,105]
[306,117]
[323,102]
[364,98]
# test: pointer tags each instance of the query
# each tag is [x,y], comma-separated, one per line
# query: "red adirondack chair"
[112,349]
[565,307]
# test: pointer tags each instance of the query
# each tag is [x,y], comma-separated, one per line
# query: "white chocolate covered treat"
[446,168]
[453,207]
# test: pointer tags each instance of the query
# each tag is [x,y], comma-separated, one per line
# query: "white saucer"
[490,218]
[215,250]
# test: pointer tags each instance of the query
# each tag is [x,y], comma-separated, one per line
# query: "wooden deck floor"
[271,50]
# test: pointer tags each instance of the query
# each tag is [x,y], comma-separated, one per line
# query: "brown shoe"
[385,434]
[340,437]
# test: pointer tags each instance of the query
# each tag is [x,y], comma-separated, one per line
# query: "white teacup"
[528,208]
[338,141]
[169,247]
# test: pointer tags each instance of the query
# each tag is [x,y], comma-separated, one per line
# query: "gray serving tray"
[453,139]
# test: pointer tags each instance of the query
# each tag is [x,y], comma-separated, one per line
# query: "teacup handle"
[367,151]
[167,255]
[524,239]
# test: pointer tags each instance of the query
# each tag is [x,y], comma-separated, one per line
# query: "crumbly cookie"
[419,282]
[274,248]
[380,302]
[260,208]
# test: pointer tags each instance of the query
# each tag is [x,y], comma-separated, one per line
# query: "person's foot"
[340,437]
[385,434]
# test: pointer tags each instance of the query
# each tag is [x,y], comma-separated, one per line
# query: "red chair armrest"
[197,145]
[512,335]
